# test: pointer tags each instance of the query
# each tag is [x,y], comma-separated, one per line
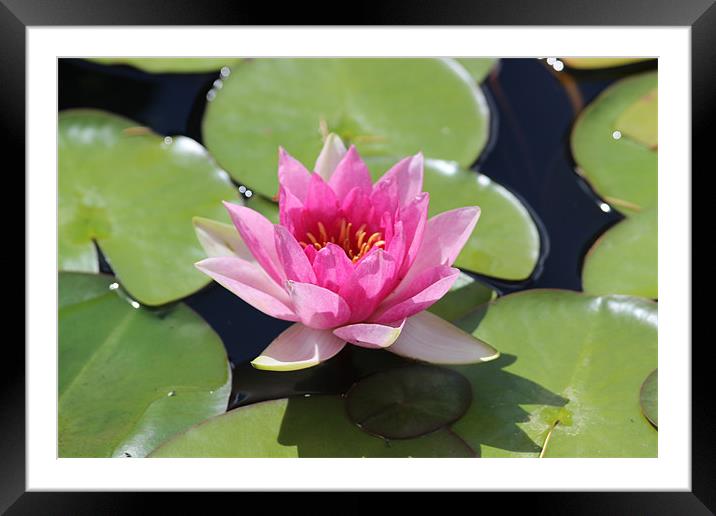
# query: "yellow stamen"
[373,238]
[342,236]
[322,230]
[346,241]
[355,244]
[360,236]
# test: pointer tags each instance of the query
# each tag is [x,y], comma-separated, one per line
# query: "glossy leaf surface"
[569,376]
[620,169]
[301,427]
[135,194]
[625,259]
[383,106]
[129,378]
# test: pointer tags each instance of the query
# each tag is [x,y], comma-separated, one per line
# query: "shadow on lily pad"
[496,414]
[319,427]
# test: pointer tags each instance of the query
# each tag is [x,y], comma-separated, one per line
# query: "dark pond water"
[533,109]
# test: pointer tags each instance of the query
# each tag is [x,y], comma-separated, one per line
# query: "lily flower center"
[356,242]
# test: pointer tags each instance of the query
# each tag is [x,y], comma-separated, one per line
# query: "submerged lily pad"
[623,170]
[408,401]
[649,397]
[135,193]
[478,68]
[601,62]
[301,427]
[567,381]
[171,64]
[505,242]
[625,259]
[464,296]
[383,106]
[129,378]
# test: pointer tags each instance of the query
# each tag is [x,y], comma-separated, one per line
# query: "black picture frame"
[17,15]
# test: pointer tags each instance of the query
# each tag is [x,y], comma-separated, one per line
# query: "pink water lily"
[349,262]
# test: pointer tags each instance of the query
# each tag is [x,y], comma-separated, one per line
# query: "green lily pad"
[625,259]
[600,62]
[129,378]
[640,121]
[505,242]
[300,427]
[171,64]
[478,68]
[408,401]
[80,256]
[649,397]
[135,193]
[463,297]
[383,106]
[620,169]
[567,380]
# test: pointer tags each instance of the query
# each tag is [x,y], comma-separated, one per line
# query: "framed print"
[418,258]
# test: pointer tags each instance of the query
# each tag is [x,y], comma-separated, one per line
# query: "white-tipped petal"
[219,239]
[331,154]
[369,335]
[298,347]
[427,337]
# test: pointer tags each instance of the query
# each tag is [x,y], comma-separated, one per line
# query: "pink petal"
[423,291]
[407,175]
[219,239]
[251,283]
[254,229]
[332,267]
[331,154]
[318,307]
[374,276]
[414,217]
[292,175]
[444,237]
[293,258]
[428,337]
[310,252]
[321,204]
[384,197]
[396,243]
[350,173]
[357,207]
[372,336]
[290,211]
[298,347]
